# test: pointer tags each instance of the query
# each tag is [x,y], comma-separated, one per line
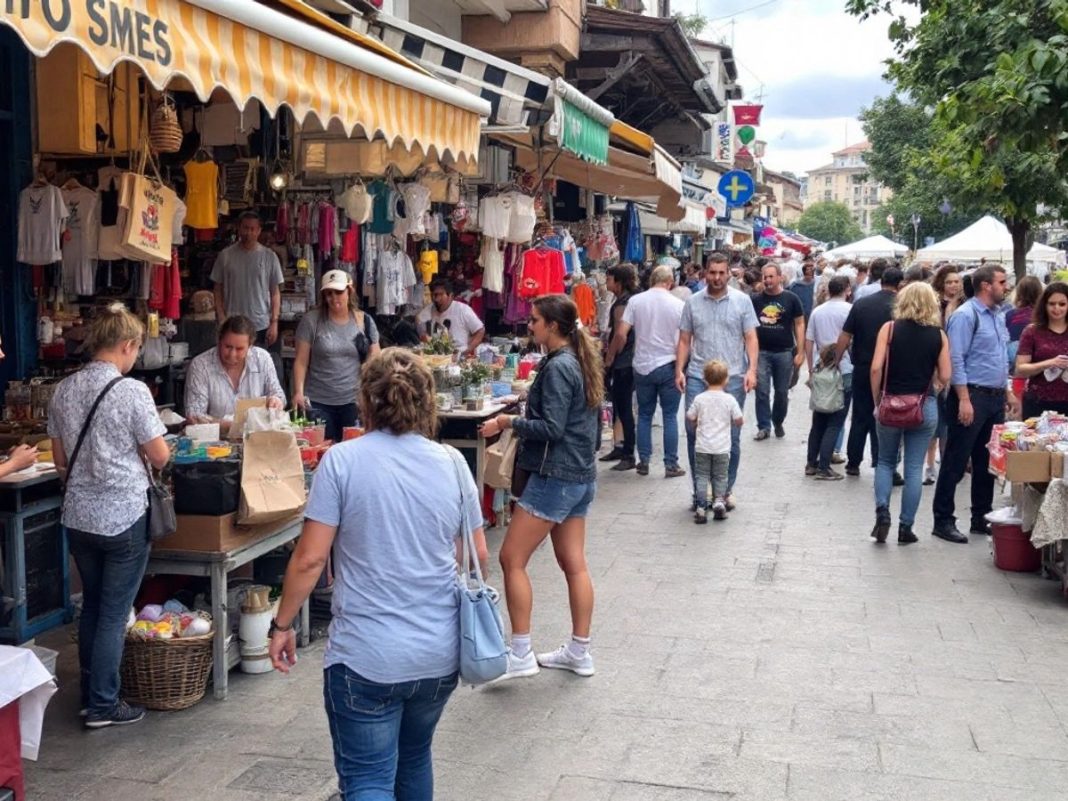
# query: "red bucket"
[1013,549]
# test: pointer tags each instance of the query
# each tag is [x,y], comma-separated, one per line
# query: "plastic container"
[1013,549]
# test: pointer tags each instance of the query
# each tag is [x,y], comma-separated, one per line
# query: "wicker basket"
[165,133]
[166,675]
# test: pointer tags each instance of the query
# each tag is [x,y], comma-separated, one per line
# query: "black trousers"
[623,406]
[964,443]
[862,426]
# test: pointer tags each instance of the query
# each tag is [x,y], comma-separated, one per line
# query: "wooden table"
[215,565]
[459,428]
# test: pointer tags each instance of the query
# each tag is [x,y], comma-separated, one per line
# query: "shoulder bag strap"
[88,421]
[886,361]
[466,535]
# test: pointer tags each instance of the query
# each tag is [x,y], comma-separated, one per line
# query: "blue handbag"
[483,653]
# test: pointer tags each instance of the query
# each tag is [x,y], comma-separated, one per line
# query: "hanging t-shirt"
[543,273]
[382,218]
[357,203]
[587,306]
[395,278]
[495,216]
[523,219]
[202,194]
[80,249]
[108,238]
[492,260]
[42,214]
[350,245]
[180,211]
[413,222]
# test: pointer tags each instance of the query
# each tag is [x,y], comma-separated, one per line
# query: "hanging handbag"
[162,519]
[483,653]
[899,411]
[165,132]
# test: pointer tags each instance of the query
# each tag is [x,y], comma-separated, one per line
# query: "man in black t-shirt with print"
[861,329]
[782,349]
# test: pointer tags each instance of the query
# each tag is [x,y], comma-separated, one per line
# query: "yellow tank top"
[202,194]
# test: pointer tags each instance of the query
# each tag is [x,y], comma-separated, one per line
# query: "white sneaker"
[561,659]
[520,667]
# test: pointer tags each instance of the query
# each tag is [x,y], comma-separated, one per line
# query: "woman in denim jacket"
[557,446]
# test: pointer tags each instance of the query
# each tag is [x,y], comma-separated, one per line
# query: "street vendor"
[233,369]
[447,316]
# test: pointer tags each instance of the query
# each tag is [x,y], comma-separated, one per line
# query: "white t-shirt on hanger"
[42,214]
[79,251]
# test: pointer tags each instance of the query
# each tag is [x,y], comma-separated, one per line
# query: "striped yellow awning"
[253,51]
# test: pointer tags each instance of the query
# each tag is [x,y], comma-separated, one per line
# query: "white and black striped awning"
[515,92]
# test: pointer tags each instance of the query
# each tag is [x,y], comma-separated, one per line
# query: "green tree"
[899,131]
[996,74]
[692,24]
[829,222]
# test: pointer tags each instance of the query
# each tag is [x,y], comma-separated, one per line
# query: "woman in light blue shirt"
[389,504]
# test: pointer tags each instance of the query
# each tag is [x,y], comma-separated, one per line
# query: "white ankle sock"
[520,645]
[578,647]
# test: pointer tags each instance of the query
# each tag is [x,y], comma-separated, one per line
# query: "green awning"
[583,135]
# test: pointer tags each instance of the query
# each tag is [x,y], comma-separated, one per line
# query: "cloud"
[826,96]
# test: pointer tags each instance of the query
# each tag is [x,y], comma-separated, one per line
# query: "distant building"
[846,180]
[787,196]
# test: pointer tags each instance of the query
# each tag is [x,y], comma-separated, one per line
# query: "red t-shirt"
[1042,344]
[542,273]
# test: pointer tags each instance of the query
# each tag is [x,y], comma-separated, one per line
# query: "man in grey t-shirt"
[247,279]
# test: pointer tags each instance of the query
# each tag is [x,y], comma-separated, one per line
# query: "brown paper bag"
[272,478]
[237,427]
[500,461]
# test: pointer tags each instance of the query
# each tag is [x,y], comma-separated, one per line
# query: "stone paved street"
[779,655]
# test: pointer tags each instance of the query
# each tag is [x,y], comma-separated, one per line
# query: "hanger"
[202,155]
[72,183]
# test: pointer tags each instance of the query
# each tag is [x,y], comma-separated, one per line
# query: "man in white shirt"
[824,328]
[445,315]
[654,315]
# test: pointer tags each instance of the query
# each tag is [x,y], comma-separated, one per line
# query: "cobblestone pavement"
[778,655]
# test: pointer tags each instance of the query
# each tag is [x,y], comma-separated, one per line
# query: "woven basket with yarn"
[165,133]
[166,675]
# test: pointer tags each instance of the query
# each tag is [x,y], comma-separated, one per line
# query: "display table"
[215,565]
[36,579]
[459,428]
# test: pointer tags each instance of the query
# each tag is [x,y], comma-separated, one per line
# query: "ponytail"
[589,358]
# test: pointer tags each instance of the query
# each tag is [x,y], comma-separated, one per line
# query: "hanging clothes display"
[80,248]
[394,278]
[110,234]
[633,243]
[357,203]
[582,294]
[413,220]
[516,307]
[42,214]
[384,200]
[492,261]
[202,194]
[542,273]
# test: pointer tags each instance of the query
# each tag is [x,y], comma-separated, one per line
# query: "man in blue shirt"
[977,344]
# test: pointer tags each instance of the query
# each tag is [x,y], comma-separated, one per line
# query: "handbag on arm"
[899,411]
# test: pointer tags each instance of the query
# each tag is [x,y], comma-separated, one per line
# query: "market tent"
[254,51]
[988,239]
[874,247]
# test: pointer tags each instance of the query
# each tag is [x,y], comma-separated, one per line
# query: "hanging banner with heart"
[746,134]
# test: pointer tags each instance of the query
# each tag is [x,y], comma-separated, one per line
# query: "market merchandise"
[42,216]
[80,248]
[202,197]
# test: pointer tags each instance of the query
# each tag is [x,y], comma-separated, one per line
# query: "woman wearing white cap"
[333,342]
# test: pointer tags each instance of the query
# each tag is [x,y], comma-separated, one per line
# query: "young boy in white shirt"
[713,412]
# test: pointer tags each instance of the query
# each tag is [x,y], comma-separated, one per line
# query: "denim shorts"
[556,500]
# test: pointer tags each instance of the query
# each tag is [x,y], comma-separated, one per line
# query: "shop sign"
[747,114]
[105,23]
[737,187]
[723,143]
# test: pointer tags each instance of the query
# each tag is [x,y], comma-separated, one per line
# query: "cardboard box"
[206,533]
[1027,466]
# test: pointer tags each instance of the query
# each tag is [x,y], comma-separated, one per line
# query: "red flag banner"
[747,114]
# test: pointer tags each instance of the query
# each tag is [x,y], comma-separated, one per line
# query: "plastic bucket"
[1013,549]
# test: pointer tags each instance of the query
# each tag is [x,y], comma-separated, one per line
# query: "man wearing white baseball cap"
[445,315]
[333,342]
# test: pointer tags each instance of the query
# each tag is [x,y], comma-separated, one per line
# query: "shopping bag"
[149,220]
[272,478]
[500,461]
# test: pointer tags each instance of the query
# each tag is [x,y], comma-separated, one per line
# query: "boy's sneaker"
[519,667]
[561,659]
[123,714]
[700,516]
[719,510]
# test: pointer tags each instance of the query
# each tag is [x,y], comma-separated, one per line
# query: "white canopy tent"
[874,247]
[988,239]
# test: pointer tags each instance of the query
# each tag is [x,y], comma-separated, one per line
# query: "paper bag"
[500,461]
[237,427]
[272,478]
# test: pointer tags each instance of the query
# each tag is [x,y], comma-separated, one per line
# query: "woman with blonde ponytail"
[558,440]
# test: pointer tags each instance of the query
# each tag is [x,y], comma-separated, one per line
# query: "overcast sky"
[818,65]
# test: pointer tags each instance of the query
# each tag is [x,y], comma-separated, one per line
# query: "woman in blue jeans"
[103,461]
[558,438]
[389,505]
[911,358]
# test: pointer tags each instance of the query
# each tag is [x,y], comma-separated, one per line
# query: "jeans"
[710,467]
[382,734]
[862,425]
[963,443]
[847,379]
[773,368]
[337,418]
[916,441]
[736,387]
[623,406]
[823,435]
[658,385]
[111,569]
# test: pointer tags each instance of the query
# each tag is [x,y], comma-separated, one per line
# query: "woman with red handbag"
[910,366]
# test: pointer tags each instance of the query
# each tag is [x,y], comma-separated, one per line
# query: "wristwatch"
[275,627]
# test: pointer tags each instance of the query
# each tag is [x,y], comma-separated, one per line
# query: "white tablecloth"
[24,679]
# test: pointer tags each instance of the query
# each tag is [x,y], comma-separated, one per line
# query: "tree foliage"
[692,24]
[829,222]
[995,72]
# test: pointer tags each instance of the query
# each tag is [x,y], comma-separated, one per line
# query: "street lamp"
[915,220]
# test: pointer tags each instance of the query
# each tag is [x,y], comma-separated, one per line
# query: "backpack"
[827,391]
